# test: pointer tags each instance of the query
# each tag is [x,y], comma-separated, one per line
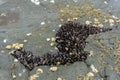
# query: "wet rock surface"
[29,18]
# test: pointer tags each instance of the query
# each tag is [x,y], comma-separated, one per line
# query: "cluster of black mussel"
[70,40]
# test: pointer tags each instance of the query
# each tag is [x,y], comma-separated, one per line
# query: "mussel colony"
[70,40]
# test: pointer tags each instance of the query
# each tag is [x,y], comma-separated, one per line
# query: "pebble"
[14,46]
[20,74]
[53,39]
[59,78]
[13,66]
[3,14]
[36,2]
[56,48]
[94,69]
[42,23]
[5,40]
[53,30]
[24,70]
[2,51]
[95,19]
[111,21]
[25,41]
[15,60]
[39,71]
[32,77]
[29,34]
[47,39]
[88,22]
[75,0]
[14,76]
[53,69]
[52,44]
[90,74]
[17,46]
[100,25]
[105,2]
[91,53]
[52,1]
[8,47]
[60,25]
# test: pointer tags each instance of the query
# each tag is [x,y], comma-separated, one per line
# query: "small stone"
[52,44]
[60,25]
[32,77]
[59,78]
[13,66]
[95,19]
[25,41]
[14,76]
[36,2]
[29,34]
[2,51]
[20,74]
[42,23]
[100,25]
[8,47]
[53,69]
[53,30]
[88,22]
[118,21]
[52,1]
[48,39]
[39,71]
[105,2]
[17,47]
[53,39]
[94,69]
[111,21]
[75,0]
[61,19]
[3,14]
[105,20]
[24,70]
[5,40]
[58,63]
[90,74]
[14,45]
[75,18]
[21,45]
[15,60]
[111,24]
[91,53]
[56,48]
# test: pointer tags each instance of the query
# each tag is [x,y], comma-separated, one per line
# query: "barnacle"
[70,40]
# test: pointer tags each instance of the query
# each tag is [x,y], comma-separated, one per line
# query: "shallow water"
[20,17]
